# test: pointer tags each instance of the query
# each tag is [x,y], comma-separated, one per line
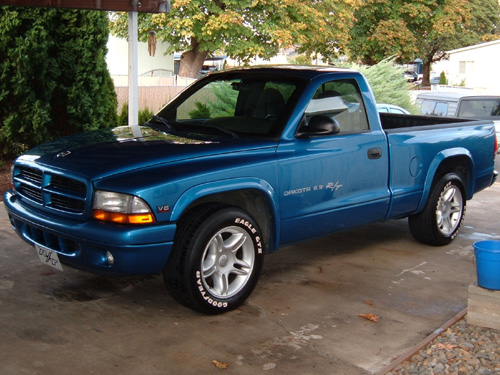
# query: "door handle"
[375,153]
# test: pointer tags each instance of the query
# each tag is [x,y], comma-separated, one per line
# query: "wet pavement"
[303,317]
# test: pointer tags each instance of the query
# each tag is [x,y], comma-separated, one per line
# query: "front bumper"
[137,250]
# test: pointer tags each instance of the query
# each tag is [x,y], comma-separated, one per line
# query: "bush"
[388,84]
[54,78]
[442,79]
[201,111]
[144,115]
[301,60]
[123,116]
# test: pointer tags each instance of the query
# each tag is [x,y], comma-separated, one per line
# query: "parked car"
[410,76]
[391,108]
[207,187]
[435,80]
[206,70]
[464,105]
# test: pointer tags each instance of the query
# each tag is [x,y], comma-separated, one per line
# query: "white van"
[455,104]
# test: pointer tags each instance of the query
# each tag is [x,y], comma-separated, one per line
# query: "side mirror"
[319,125]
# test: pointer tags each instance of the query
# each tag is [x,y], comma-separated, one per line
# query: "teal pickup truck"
[238,165]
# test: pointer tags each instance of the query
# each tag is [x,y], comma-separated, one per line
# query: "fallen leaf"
[371,317]
[49,273]
[370,303]
[221,365]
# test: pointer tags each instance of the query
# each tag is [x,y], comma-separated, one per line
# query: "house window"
[465,67]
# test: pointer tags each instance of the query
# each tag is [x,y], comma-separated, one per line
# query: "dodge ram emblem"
[63,154]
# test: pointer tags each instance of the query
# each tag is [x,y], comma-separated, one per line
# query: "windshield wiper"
[161,120]
[223,130]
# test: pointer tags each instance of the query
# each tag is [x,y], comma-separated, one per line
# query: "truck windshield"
[479,108]
[234,106]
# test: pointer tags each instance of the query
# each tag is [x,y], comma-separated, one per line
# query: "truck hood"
[102,153]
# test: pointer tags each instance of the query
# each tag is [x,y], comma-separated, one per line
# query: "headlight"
[121,208]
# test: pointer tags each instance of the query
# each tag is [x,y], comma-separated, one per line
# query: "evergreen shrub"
[54,80]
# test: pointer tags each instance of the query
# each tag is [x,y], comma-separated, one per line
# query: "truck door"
[328,183]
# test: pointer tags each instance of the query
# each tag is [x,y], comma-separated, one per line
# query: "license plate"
[48,257]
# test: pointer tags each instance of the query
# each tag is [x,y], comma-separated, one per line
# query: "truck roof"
[459,104]
[456,96]
[295,70]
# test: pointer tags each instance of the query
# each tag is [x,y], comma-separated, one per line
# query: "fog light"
[110,259]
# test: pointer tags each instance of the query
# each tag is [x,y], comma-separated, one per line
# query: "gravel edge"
[407,355]
[455,348]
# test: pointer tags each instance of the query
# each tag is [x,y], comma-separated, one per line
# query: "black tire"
[216,260]
[440,221]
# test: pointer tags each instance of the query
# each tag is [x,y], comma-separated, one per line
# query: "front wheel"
[440,221]
[216,260]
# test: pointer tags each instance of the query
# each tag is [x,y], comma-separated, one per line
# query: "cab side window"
[434,108]
[342,101]
[441,109]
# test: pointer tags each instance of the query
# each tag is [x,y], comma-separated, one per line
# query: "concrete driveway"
[301,319]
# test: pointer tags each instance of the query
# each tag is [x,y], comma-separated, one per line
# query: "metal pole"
[133,73]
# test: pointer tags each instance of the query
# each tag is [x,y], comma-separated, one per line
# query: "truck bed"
[416,143]
[392,121]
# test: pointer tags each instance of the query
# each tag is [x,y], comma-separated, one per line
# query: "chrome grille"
[67,204]
[32,193]
[68,184]
[31,174]
[51,190]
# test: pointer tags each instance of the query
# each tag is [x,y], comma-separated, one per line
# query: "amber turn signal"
[120,218]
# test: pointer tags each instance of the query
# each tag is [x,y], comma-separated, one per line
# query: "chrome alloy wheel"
[449,210]
[227,262]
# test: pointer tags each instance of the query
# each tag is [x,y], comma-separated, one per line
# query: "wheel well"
[252,201]
[462,166]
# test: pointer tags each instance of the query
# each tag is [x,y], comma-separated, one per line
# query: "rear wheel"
[440,221]
[216,260]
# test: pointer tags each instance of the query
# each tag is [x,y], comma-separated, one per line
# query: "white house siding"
[154,92]
[117,58]
[477,67]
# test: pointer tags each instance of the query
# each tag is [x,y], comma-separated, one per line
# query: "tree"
[442,79]
[54,77]
[243,29]
[387,83]
[424,29]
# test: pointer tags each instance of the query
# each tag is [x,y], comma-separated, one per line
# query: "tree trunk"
[426,70]
[192,61]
